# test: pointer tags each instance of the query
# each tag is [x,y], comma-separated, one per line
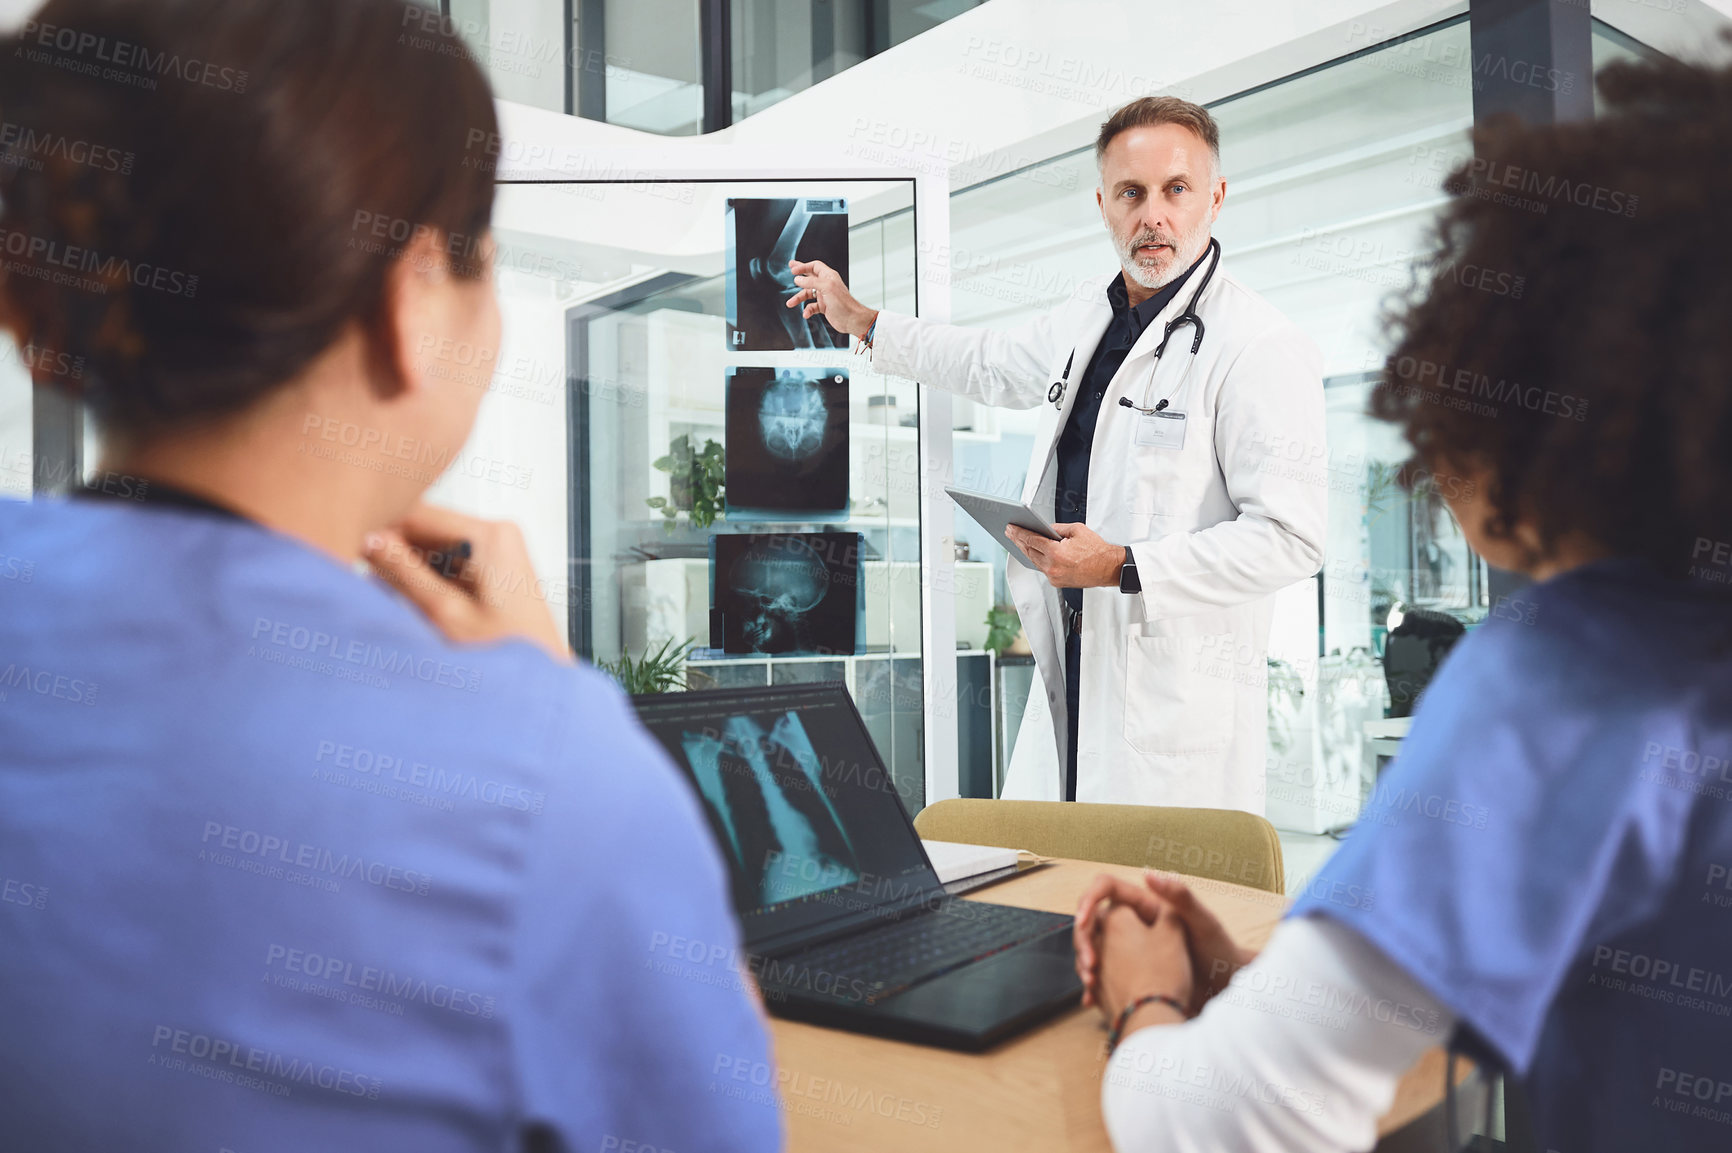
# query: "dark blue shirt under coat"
[1075,443]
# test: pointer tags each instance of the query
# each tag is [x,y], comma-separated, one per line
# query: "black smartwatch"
[1128,582]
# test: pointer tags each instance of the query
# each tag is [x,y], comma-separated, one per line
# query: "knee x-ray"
[762,236]
[763,783]
[786,592]
[787,442]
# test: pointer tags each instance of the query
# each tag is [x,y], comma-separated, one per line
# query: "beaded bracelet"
[865,344]
[1124,1016]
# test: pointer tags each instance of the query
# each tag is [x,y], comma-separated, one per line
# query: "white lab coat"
[1174,680]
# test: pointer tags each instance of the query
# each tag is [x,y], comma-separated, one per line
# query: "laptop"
[844,919]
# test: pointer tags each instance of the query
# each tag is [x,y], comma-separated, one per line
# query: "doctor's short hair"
[1148,111]
[1571,334]
[185,230]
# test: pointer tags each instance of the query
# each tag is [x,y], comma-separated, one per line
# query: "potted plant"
[655,672]
[1004,632]
[696,481]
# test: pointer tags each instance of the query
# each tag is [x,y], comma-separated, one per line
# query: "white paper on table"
[953,861]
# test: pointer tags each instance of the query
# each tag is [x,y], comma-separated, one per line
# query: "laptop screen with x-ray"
[802,807]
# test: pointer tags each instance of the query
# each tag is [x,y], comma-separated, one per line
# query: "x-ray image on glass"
[762,236]
[764,788]
[786,592]
[787,442]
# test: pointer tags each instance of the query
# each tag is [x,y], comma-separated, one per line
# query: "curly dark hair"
[1573,334]
[197,196]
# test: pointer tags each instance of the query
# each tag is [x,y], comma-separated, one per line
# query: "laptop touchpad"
[1039,973]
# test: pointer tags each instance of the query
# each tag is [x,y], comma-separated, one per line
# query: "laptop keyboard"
[883,962]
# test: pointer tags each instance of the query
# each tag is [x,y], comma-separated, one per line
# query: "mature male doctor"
[1173,394]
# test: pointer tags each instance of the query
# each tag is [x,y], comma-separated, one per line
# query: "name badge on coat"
[1161,430]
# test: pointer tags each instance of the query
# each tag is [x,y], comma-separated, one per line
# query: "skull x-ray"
[787,442]
[762,236]
[764,788]
[786,592]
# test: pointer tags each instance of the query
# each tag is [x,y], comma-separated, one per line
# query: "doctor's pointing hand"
[1173,401]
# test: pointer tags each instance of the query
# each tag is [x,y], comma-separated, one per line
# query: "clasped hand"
[1156,938]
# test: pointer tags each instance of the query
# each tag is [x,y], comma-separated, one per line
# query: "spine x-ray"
[786,592]
[764,788]
[762,236]
[787,443]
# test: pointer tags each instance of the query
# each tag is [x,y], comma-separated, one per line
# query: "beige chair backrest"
[1220,844]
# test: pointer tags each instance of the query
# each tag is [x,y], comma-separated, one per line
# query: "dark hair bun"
[198,196]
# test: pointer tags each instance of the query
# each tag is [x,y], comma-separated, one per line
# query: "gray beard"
[1151,278]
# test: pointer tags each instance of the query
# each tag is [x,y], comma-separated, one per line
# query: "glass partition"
[16,413]
[1333,180]
[1332,177]
[642,64]
[781,47]
[650,62]
[1610,46]
[522,45]
[742,492]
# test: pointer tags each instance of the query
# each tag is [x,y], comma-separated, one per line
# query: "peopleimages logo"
[383,767]
[1663,971]
[1204,1084]
[1695,1086]
[378,233]
[16,892]
[167,1040]
[380,450]
[1435,380]
[779,1085]
[1548,186]
[1387,806]
[230,846]
[26,147]
[109,271]
[47,683]
[45,361]
[777,979]
[375,979]
[123,56]
[310,642]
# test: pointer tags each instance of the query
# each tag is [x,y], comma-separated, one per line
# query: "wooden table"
[1039,1091]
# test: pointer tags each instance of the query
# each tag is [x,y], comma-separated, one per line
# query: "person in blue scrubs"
[1544,876]
[293,857]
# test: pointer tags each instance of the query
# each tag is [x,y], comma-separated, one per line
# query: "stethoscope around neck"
[1190,316]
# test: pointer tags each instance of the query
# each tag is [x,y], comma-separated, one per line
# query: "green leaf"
[657,502]
[655,672]
[1002,627]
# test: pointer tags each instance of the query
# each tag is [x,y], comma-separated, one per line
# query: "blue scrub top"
[281,868]
[1551,855]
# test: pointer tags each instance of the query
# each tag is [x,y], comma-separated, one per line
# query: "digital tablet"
[995,513]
